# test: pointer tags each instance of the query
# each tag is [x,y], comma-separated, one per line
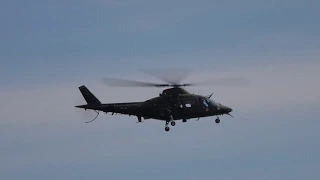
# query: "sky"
[50,48]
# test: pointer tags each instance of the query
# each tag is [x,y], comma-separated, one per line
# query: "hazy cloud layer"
[48,49]
[274,125]
[272,86]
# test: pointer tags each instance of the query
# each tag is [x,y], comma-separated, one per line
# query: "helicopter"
[173,103]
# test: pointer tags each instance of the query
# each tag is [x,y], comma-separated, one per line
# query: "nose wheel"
[217,120]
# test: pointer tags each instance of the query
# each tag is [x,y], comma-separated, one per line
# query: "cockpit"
[212,102]
[208,102]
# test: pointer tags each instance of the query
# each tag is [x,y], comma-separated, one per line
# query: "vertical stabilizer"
[88,96]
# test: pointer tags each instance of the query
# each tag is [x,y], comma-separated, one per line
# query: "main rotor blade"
[130,83]
[233,82]
[168,75]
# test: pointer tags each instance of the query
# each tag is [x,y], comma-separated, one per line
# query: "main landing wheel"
[167,128]
[173,123]
[217,120]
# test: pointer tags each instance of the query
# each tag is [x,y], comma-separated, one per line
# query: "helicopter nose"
[226,108]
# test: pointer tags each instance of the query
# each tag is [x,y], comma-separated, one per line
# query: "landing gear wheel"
[173,123]
[217,120]
[167,128]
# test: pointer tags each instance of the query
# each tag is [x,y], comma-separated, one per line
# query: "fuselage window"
[190,101]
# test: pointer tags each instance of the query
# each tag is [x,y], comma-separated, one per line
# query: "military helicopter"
[173,104]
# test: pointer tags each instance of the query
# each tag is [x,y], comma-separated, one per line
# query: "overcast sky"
[49,48]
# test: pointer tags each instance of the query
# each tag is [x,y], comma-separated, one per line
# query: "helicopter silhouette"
[173,104]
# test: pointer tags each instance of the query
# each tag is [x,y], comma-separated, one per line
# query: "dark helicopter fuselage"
[182,106]
[174,102]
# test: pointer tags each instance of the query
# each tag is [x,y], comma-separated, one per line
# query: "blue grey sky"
[49,48]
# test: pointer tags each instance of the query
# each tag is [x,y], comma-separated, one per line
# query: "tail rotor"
[91,100]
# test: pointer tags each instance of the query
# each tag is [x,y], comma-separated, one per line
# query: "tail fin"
[88,96]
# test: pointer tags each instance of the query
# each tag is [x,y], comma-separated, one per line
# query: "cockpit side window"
[203,102]
[210,101]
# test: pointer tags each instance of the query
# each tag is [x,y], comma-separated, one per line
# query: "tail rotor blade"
[82,114]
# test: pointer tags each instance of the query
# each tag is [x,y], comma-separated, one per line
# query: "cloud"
[272,86]
[41,128]
[142,16]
